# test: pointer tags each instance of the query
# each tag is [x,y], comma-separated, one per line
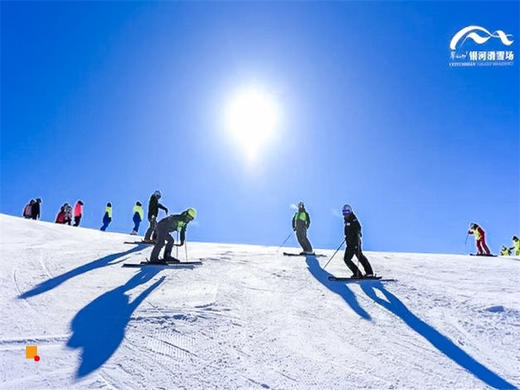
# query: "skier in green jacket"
[177,222]
[516,246]
[300,223]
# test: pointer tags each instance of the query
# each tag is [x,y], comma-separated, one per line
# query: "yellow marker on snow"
[31,351]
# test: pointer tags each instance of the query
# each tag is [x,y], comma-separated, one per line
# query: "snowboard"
[363,279]
[484,255]
[297,254]
[139,242]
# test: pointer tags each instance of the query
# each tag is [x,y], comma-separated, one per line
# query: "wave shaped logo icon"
[472,32]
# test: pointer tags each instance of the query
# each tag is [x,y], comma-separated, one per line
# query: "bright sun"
[252,118]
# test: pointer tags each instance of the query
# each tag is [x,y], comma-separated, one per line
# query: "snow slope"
[248,317]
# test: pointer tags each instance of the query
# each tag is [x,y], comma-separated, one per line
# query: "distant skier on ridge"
[35,211]
[516,246]
[177,222]
[137,217]
[353,241]
[107,217]
[27,210]
[78,212]
[300,223]
[480,239]
[153,214]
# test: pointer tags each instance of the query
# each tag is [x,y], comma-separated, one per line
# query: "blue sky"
[108,101]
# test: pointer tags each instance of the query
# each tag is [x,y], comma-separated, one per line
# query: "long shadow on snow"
[99,328]
[434,337]
[339,288]
[57,280]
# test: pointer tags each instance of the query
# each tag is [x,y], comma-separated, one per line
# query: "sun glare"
[252,118]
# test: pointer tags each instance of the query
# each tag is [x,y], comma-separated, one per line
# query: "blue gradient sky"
[110,101]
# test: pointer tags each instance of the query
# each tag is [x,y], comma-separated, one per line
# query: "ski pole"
[283,243]
[177,248]
[339,247]
[186,249]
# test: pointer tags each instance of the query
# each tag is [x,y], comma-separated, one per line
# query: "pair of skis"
[167,264]
[361,279]
[140,242]
[303,254]
[339,279]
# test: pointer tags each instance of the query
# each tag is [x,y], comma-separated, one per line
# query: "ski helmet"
[301,205]
[347,209]
[192,213]
[157,194]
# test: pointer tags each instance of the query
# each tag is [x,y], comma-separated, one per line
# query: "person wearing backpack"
[27,210]
[138,217]
[78,212]
[107,217]
[35,210]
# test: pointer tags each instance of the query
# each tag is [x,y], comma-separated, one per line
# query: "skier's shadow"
[57,280]
[339,288]
[433,336]
[99,328]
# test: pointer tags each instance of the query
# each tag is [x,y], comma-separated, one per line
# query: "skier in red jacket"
[78,212]
[480,239]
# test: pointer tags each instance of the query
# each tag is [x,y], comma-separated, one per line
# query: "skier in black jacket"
[172,223]
[353,240]
[36,209]
[300,223]
[153,213]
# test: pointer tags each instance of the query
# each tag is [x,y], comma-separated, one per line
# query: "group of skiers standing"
[482,248]
[137,217]
[32,209]
[64,216]
[158,232]
[67,214]
[352,230]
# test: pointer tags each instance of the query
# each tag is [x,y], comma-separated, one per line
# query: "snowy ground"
[248,318]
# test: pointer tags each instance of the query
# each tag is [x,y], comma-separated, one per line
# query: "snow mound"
[249,317]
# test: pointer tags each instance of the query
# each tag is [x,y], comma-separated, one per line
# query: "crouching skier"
[300,223]
[177,222]
[353,241]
